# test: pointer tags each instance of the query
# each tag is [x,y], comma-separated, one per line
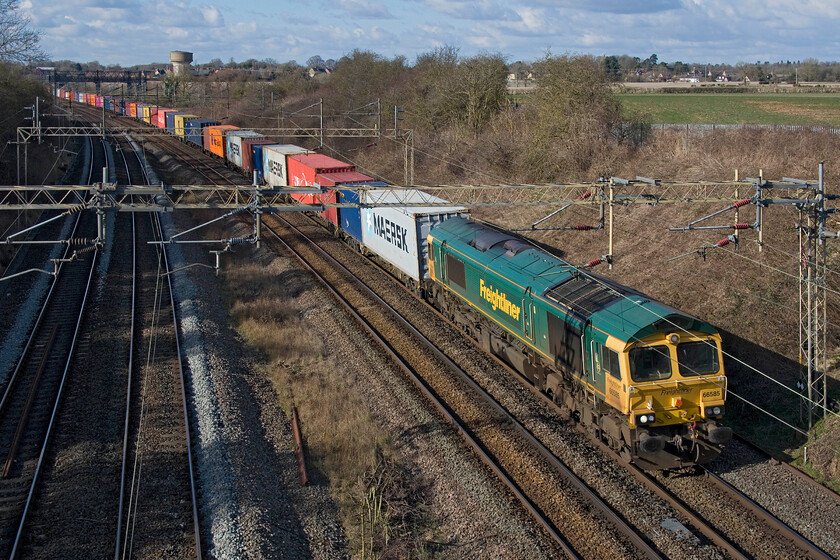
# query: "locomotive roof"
[614,309]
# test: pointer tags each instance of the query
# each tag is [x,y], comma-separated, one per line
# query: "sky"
[129,32]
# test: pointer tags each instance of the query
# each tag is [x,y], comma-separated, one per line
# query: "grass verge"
[382,504]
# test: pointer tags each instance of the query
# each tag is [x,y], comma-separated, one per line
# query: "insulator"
[722,242]
[594,262]
[741,226]
[85,250]
[239,240]
[77,209]
[584,228]
[741,203]
[75,242]
[585,195]
[240,210]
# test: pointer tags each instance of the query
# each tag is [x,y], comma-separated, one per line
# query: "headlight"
[645,419]
[714,410]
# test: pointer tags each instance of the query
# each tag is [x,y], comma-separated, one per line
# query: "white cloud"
[613,6]
[136,31]
[366,9]
[212,16]
[472,9]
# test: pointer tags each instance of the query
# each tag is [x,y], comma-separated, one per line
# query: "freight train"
[643,377]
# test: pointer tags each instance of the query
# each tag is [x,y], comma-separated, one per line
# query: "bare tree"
[18,42]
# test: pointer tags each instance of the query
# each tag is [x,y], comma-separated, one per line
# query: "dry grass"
[267,305]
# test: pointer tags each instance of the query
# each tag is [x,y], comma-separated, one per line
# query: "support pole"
[737,213]
[610,249]
[38,117]
[321,105]
[257,216]
[821,313]
[258,225]
[759,214]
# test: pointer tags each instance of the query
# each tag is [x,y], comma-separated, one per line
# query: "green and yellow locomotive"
[646,378]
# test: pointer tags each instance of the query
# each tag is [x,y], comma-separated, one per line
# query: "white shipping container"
[274,163]
[398,234]
[234,144]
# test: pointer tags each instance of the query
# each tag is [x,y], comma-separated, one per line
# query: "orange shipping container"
[131,109]
[214,138]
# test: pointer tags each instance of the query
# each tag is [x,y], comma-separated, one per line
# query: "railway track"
[749,529]
[33,390]
[126,388]
[158,496]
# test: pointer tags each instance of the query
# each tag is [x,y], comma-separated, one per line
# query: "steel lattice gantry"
[166,198]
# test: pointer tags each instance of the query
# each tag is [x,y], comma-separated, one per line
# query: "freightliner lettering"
[499,300]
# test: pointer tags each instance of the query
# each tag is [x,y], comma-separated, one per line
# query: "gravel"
[810,509]
[252,505]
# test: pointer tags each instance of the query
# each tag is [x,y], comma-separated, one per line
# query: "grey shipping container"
[234,144]
[274,163]
[397,234]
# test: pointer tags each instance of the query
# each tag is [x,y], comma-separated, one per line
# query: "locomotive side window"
[455,271]
[609,362]
[564,342]
[649,363]
[697,358]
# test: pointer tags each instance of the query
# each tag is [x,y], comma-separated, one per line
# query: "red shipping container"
[161,116]
[303,168]
[248,153]
[331,196]
[214,138]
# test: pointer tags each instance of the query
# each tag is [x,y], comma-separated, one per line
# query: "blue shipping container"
[257,160]
[170,121]
[194,130]
[351,218]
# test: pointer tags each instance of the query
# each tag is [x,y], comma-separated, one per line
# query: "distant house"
[318,71]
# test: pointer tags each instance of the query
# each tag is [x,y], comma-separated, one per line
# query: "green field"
[709,108]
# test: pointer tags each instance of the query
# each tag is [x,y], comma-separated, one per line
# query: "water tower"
[180,61]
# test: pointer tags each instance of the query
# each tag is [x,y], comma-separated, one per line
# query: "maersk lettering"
[499,300]
[393,233]
[275,166]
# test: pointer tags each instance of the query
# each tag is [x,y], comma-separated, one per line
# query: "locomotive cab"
[676,394]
